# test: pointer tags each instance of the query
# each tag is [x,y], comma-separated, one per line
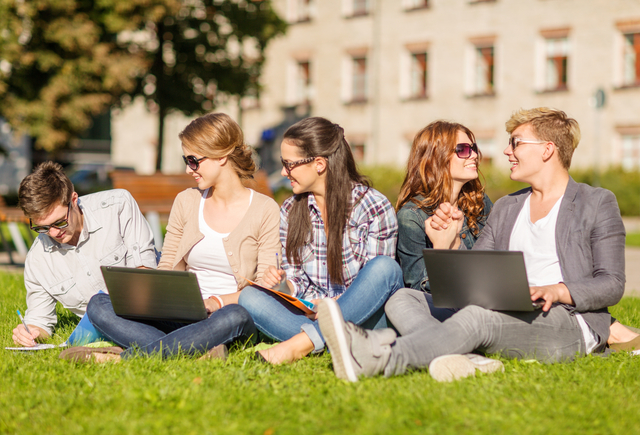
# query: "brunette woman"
[339,239]
[442,168]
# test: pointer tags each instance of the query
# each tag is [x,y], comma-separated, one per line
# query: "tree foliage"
[61,63]
[64,61]
[208,51]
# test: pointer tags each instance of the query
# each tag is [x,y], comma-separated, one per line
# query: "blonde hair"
[216,135]
[552,125]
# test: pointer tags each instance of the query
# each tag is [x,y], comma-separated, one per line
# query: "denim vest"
[412,239]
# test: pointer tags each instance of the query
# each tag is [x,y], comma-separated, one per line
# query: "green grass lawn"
[633,239]
[41,394]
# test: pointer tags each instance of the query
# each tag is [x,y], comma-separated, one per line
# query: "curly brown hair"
[428,173]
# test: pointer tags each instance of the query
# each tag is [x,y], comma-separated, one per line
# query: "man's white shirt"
[114,233]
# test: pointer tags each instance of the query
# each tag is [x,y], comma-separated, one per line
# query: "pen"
[22,320]
[277,261]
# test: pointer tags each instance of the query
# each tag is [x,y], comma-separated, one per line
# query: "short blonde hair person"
[216,135]
[550,125]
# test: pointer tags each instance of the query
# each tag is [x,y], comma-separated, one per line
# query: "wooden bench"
[13,217]
[155,193]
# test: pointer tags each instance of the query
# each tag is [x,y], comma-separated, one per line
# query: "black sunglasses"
[62,223]
[463,150]
[289,166]
[193,162]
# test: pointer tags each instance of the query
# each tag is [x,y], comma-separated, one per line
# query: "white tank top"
[208,260]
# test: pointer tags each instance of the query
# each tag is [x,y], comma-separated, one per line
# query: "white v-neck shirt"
[537,241]
[208,259]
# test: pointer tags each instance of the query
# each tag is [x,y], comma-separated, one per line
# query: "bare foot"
[106,357]
[288,351]
[618,333]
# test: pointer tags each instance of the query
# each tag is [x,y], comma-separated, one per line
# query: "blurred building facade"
[383,69]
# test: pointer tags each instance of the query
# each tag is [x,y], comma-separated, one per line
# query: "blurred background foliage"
[63,62]
[625,185]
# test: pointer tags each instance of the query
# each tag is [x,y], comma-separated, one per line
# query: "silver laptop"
[496,280]
[149,294]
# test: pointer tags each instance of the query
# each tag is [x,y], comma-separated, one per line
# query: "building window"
[300,11]
[303,82]
[484,72]
[359,79]
[631,74]
[557,54]
[360,7]
[631,152]
[418,83]
[410,5]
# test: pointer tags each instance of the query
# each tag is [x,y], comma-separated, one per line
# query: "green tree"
[64,61]
[207,52]
[61,62]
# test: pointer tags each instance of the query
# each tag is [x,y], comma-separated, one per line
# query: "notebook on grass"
[496,280]
[151,294]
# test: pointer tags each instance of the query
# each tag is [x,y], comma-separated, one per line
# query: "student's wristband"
[217,298]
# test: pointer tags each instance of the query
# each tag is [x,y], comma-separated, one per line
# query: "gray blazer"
[590,246]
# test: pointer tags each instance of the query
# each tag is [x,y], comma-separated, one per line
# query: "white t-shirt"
[208,260]
[537,241]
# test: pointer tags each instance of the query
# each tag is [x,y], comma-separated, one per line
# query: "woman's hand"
[272,277]
[444,226]
[211,305]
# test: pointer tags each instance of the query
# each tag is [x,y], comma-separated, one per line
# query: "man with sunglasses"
[77,235]
[572,238]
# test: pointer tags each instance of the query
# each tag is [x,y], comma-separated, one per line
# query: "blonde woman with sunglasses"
[222,231]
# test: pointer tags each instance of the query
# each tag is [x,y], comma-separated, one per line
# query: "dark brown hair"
[216,135]
[319,137]
[428,173]
[46,187]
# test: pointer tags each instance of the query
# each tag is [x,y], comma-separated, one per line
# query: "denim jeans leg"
[362,302]
[410,310]
[124,332]
[276,318]
[223,326]
[549,337]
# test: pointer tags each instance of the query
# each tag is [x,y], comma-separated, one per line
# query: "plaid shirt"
[372,230]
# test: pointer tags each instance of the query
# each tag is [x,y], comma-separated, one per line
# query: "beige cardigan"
[250,247]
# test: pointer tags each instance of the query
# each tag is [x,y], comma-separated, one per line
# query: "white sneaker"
[449,368]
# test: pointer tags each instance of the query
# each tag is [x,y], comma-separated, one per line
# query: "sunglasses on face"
[290,166]
[62,223]
[193,162]
[463,150]
[515,141]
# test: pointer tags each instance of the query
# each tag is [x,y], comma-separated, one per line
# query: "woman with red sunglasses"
[222,231]
[442,168]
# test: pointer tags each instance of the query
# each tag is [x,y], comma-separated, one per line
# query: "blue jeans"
[362,303]
[548,337]
[221,327]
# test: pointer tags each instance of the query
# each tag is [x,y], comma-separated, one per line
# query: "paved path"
[632,269]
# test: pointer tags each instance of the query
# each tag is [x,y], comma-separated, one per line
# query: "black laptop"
[149,294]
[496,280]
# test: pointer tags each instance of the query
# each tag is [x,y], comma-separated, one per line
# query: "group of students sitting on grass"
[339,240]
